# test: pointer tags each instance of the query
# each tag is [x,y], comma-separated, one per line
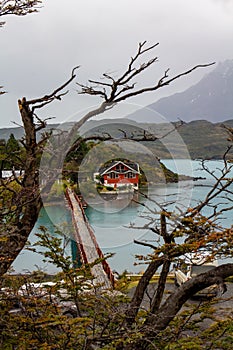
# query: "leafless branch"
[145,244]
[2,92]
[162,83]
[119,88]
[55,95]
[18,7]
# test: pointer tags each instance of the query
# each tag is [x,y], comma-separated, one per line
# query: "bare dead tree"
[21,211]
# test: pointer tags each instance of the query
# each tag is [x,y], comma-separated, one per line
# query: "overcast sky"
[39,51]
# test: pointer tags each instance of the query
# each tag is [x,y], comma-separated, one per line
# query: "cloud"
[41,49]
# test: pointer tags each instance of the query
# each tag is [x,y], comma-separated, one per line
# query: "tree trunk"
[157,299]
[27,201]
[159,321]
[140,290]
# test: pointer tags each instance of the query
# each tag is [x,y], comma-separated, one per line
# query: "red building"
[120,174]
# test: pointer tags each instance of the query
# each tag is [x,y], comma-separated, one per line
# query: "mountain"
[18,132]
[210,99]
[206,140]
[202,138]
[5,133]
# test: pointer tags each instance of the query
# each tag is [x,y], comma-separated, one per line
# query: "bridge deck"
[85,238]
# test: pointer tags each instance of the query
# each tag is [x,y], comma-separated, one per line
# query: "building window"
[130,176]
[120,167]
[112,175]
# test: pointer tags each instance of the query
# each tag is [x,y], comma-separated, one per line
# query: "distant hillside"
[18,132]
[206,140]
[203,139]
[210,99]
[5,133]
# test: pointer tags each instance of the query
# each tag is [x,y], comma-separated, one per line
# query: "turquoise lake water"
[112,221]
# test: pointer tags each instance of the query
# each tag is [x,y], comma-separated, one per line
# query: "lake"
[112,221]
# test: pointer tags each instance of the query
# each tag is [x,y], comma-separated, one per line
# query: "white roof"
[8,173]
[121,162]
